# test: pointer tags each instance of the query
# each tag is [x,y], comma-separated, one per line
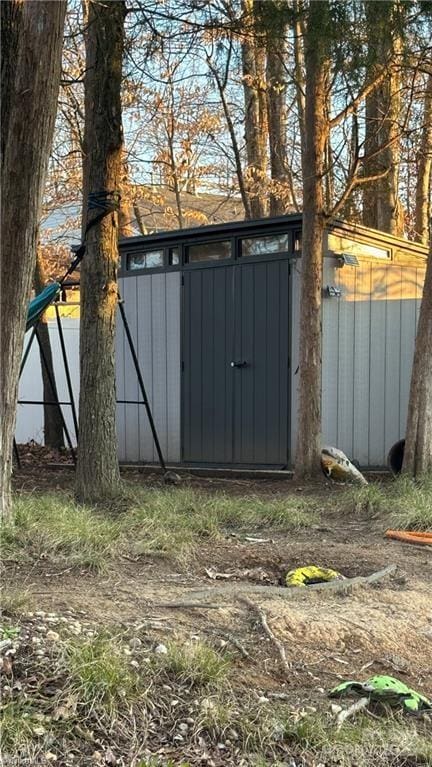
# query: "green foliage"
[169,522]
[16,726]
[361,741]
[98,674]
[195,664]
[407,502]
[9,632]
[54,528]
[412,504]
[14,601]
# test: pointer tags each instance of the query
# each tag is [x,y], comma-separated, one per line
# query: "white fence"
[30,420]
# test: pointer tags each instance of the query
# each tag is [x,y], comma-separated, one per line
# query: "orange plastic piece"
[410,536]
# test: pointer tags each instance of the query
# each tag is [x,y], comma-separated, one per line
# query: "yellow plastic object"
[305,576]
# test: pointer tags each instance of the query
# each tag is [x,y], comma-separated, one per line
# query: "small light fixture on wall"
[332,291]
[347,259]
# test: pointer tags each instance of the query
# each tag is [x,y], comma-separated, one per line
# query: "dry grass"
[168,522]
[89,697]
[406,503]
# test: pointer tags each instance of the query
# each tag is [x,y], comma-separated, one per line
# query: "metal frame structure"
[56,402]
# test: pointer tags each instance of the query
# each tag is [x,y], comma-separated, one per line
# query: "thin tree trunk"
[308,450]
[418,442]
[280,198]
[381,205]
[299,69]
[53,426]
[97,475]
[231,129]
[424,170]
[253,65]
[32,37]
[126,214]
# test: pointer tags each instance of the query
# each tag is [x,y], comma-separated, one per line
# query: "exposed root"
[294,592]
[264,623]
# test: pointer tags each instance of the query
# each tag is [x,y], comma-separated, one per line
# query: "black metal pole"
[67,371]
[55,395]
[141,385]
[28,347]
[17,455]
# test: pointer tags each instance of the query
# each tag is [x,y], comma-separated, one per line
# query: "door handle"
[239,364]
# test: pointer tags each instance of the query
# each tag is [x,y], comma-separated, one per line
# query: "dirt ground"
[327,636]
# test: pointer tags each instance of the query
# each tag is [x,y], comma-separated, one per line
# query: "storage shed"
[214,314]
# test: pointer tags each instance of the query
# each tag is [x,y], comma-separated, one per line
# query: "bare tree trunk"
[53,425]
[126,213]
[253,64]
[221,85]
[328,164]
[280,198]
[424,170]
[381,205]
[32,37]
[418,442]
[298,29]
[98,476]
[308,449]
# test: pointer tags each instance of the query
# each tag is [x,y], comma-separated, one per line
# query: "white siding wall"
[30,417]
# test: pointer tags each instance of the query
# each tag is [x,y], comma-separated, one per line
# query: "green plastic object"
[39,303]
[386,689]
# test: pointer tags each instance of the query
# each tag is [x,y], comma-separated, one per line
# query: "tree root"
[264,623]
[293,592]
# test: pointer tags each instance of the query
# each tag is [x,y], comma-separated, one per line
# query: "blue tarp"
[39,303]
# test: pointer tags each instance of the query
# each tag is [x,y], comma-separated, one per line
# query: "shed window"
[341,245]
[209,251]
[260,246]
[148,260]
[174,256]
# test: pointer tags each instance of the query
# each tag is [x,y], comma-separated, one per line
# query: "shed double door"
[235,364]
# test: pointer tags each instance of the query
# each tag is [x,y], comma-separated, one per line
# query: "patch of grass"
[158,763]
[54,528]
[98,674]
[380,742]
[408,502]
[165,522]
[16,730]
[412,506]
[9,632]
[173,521]
[14,601]
[253,727]
[371,498]
[195,664]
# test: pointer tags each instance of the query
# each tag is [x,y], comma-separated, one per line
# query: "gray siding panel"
[368,344]
[362,335]
[330,356]
[408,331]
[131,383]
[392,358]
[159,358]
[377,368]
[173,366]
[345,368]
[120,385]
[152,305]
[144,351]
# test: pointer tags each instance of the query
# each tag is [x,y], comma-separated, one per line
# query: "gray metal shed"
[214,314]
